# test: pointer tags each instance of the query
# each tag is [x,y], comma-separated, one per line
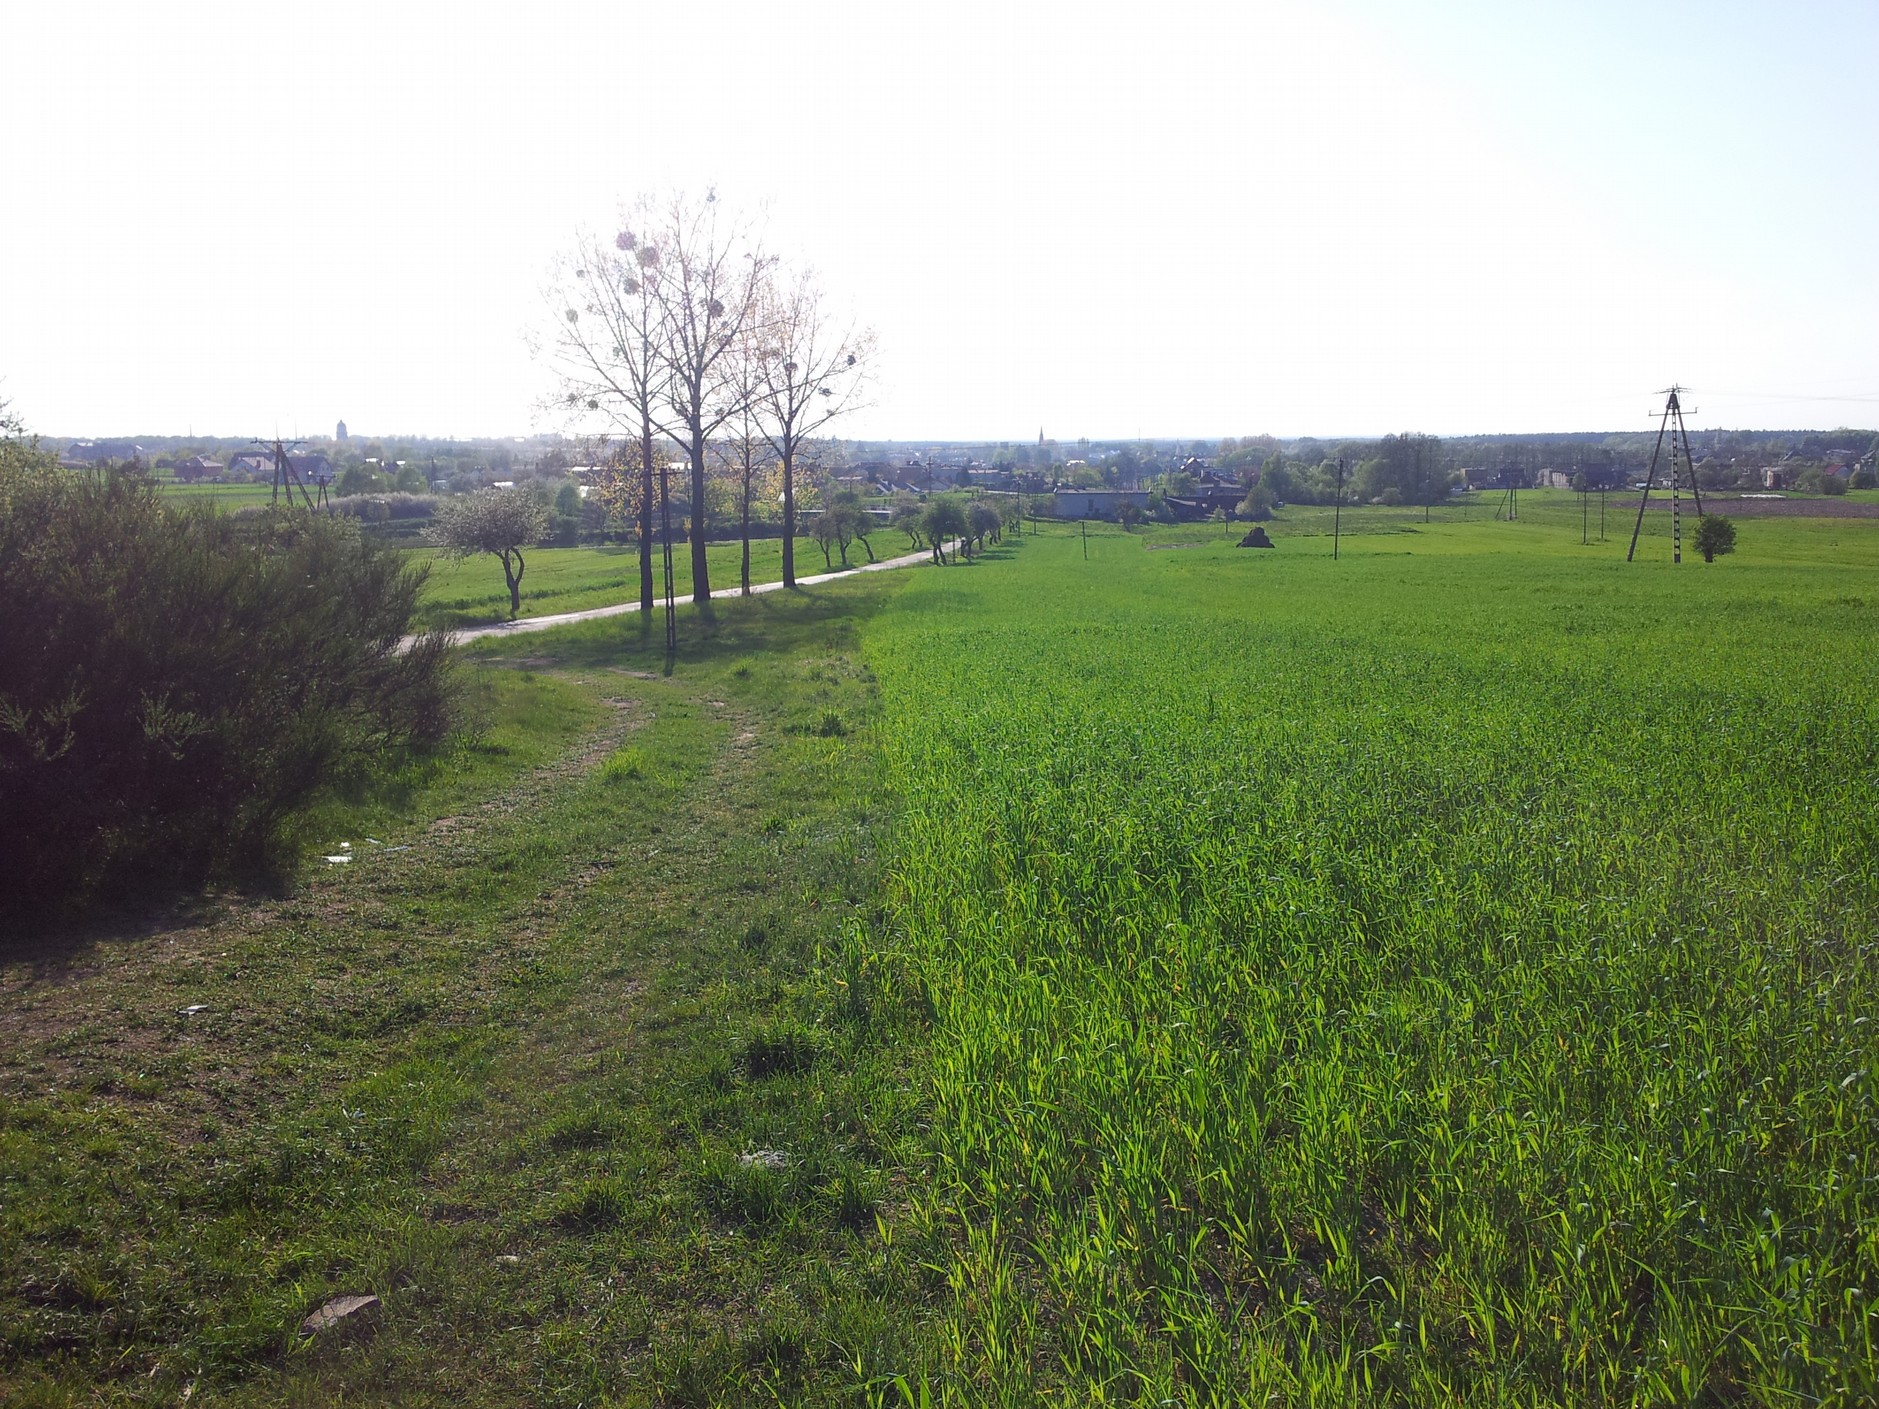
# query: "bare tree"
[609,352]
[746,467]
[805,371]
[706,277]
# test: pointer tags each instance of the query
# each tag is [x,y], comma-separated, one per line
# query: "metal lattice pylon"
[1682,472]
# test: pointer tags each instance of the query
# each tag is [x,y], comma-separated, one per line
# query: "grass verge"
[580,1064]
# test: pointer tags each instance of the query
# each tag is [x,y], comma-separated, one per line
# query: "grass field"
[1189,975]
[471,591]
[1441,976]
[225,498]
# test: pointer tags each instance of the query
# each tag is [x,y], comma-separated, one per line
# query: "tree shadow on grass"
[44,947]
[775,623]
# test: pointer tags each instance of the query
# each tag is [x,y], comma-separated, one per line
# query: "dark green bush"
[1715,536]
[379,508]
[176,687]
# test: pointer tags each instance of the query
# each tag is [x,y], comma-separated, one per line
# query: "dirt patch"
[1165,547]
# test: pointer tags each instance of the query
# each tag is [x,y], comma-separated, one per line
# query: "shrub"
[497,521]
[1715,536]
[386,506]
[181,686]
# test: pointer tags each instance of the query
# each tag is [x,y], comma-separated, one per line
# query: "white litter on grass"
[336,1310]
[195,1008]
[765,1159]
[338,860]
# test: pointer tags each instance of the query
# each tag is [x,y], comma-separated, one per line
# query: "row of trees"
[681,328]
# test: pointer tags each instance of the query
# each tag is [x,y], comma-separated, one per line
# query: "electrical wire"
[1788,396]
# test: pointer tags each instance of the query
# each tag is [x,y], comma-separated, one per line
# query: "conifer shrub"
[178,687]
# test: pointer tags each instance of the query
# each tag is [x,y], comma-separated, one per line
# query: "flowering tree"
[497,521]
[618,484]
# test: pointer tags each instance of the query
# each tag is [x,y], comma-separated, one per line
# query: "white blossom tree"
[497,521]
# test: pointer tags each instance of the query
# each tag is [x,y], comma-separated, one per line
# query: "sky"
[1095,219]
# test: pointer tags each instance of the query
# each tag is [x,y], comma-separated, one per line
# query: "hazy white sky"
[1093,218]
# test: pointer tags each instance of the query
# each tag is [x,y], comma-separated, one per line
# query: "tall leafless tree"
[609,352]
[745,460]
[706,279]
[805,369]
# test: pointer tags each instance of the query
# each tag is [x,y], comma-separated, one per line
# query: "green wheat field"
[1445,975]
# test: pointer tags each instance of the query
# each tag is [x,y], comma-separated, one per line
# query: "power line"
[1791,396]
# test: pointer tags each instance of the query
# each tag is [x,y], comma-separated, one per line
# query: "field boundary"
[460,635]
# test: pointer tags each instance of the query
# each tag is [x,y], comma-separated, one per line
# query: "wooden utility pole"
[665,512]
[285,476]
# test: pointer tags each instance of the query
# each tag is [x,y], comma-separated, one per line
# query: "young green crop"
[1442,975]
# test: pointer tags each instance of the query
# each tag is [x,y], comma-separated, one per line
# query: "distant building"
[339,433]
[253,463]
[1095,503]
[90,452]
[312,467]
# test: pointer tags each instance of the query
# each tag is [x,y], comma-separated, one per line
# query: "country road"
[543,623]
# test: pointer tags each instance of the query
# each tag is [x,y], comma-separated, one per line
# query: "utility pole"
[1680,457]
[1337,510]
[665,510]
[285,476]
[1086,539]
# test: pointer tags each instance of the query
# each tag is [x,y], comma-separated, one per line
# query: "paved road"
[542,623]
